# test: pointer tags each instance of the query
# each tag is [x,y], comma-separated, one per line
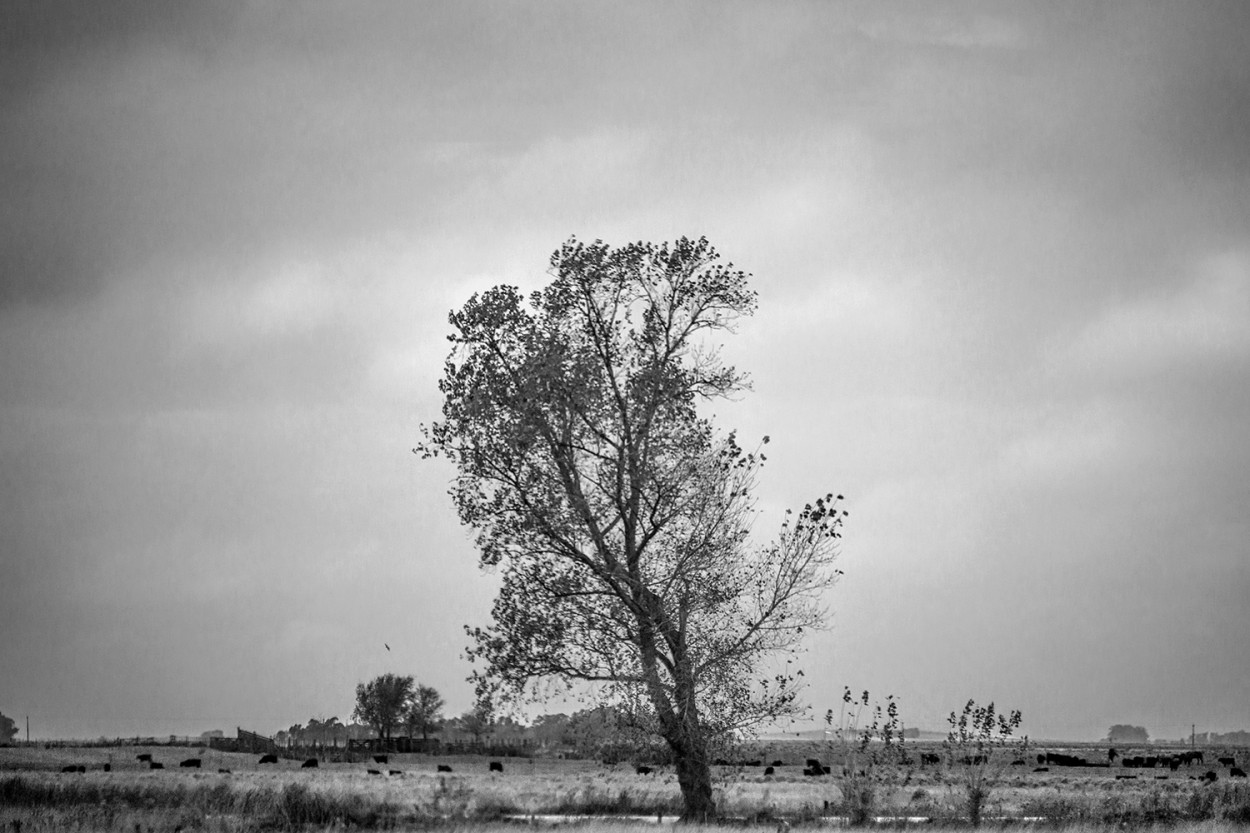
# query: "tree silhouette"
[383,702]
[618,515]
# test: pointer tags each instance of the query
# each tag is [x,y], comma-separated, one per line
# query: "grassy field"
[37,795]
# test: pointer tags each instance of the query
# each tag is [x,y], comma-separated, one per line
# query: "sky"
[1002,252]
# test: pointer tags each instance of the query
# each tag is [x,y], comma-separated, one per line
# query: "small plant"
[975,750]
[866,752]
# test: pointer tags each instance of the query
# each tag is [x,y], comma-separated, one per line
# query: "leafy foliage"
[425,709]
[383,702]
[8,729]
[868,751]
[974,748]
[1123,733]
[618,516]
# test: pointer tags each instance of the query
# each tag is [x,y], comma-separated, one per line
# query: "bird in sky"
[388,647]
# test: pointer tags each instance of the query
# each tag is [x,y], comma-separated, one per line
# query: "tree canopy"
[8,729]
[383,702]
[1124,733]
[619,516]
[425,709]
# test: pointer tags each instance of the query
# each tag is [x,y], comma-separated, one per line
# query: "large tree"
[383,703]
[8,729]
[618,515]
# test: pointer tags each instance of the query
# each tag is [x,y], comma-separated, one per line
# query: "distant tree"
[477,722]
[8,729]
[383,703]
[425,710]
[1123,733]
[551,729]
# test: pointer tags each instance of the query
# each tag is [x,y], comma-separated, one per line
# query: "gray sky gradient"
[1003,257]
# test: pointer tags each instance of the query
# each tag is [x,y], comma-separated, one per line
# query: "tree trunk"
[694,776]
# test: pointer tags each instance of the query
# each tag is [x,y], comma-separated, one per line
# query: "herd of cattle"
[813,766]
[310,763]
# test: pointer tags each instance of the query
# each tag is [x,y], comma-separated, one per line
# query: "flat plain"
[232,791]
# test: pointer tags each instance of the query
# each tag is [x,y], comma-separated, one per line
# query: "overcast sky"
[1003,259]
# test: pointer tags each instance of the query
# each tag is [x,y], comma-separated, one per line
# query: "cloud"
[1204,320]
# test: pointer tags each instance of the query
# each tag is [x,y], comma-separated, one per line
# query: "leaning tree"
[618,516]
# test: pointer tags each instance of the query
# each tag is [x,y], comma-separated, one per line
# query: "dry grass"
[34,792]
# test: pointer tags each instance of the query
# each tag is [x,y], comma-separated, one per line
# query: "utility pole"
[28,729]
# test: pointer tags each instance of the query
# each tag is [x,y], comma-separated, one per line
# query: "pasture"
[409,792]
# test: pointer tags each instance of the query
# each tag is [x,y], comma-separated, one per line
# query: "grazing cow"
[191,763]
[268,759]
[395,772]
[769,770]
[643,770]
[931,758]
[381,759]
[155,765]
[444,768]
[1126,777]
[1210,777]
[146,757]
[1227,761]
[223,771]
[496,766]
[807,770]
[374,772]
[311,763]
[812,763]
[1018,762]
[1111,753]
[1236,772]
[1041,759]
[70,768]
[778,763]
[108,767]
[824,770]
[1041,769]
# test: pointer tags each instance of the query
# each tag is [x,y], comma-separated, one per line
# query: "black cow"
[1210,777]
[496,766]
[769,770]
[191,763]
[108,767]
[933,758]
[268,759]
[1236,772]
[374,772]
[155,765]
[812,763]
[145,757]
[778,763]
[381,759]
[643,770]
[71,768]
[1041,759]
[1041,769]
[1227,761]
[444,768]
[396,772]
[1018,762]
[311,763]
[223,771]
[1126,777]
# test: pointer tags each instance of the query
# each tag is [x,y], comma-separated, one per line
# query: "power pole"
[28,729]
